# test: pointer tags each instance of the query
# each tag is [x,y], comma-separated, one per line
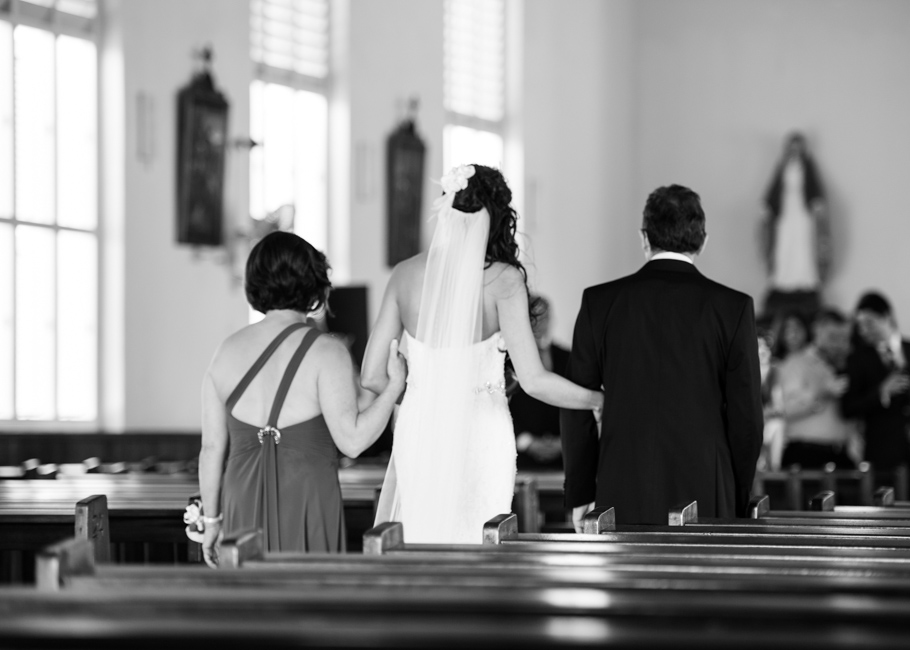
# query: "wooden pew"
[796,482]
[69,565]
[146,513]
[823,509]
[602,533]
[457,597]
[470,617]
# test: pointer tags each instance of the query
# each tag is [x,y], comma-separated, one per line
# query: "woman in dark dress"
[279,401]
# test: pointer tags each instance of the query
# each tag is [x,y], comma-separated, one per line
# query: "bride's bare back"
[408,288]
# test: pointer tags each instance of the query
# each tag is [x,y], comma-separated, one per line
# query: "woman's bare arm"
[373,375]
[211,464]
[353,430]
[514,323]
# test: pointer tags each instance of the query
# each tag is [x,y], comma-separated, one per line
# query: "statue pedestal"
[778,303]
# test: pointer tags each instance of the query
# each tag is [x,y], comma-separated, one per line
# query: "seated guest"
[793,336]
[772,401]
[816,433]
[878,383]
[536,423]
[289,490]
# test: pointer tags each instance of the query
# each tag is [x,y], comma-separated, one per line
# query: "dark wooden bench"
[70,565]
[601,532]
[456,597]
[823,509]
[439,616]
[794,483]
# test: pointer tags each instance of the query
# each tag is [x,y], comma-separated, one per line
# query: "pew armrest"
[822,502]
[685,513]
[56,564]
[884,497]
[93,524]
[384,537]
[759,506]
[240,548]
[500,528]
[599,520]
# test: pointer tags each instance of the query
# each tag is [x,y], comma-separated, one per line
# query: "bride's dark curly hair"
[487,188]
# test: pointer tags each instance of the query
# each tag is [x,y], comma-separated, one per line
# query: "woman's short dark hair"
[284,271]
[674,220]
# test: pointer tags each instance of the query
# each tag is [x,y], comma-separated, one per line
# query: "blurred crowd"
[835,388]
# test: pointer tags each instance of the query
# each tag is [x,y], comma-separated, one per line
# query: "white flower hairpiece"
[457,178]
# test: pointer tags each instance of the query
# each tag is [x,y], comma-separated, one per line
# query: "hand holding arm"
[373,374]
[353,430]
[535,380]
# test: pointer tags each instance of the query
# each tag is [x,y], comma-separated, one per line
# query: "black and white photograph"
[454,324]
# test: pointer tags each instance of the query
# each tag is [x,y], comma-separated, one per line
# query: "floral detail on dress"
[491,387]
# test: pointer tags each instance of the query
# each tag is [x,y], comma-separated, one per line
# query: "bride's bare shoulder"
[409,271]
[503,280]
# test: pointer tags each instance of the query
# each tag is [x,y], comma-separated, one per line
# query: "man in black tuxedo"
[878,382]
[677,356]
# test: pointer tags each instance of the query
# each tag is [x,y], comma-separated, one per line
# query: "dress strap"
[289,374]
[257,366]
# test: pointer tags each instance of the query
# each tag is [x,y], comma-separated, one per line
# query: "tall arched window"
[49,246]
[474,57]
[289,113]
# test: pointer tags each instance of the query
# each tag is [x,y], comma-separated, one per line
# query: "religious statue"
[796,235]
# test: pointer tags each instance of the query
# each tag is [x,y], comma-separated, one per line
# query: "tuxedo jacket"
[677,357]
[887,445]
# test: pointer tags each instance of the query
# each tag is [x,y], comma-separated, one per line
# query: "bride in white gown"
[458,308]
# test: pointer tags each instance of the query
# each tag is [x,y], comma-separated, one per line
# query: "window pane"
[465,146]
[77,138]
[77,324]
[278,147]
[34,51]
[257,154]
[310,221]
[84,8]
[6,120]
[6,322]
[474,57]
[34,323]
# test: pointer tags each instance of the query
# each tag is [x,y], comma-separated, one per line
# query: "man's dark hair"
[874,302]
[284,271]
[674,220]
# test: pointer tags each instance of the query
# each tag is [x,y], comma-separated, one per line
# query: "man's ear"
[645,243]
[704,245]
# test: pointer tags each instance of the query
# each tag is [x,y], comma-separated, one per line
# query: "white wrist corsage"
[195,521]
[457,178]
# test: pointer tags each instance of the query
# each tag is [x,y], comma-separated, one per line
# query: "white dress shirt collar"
[667,255]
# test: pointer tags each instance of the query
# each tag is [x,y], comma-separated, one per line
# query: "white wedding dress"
[453,456]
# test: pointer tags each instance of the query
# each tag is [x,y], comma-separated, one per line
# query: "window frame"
[297,81]
[49,19]
[498,127]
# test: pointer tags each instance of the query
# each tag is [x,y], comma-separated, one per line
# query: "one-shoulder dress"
[283,481]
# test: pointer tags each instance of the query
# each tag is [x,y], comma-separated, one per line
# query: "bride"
[458,308]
